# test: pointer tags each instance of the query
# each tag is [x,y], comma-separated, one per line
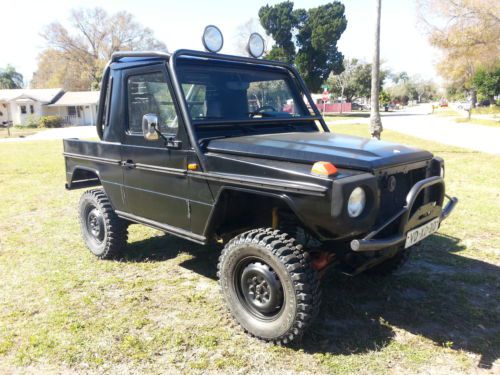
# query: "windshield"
[234,91]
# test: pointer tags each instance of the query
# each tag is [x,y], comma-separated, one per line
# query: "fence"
[335,107]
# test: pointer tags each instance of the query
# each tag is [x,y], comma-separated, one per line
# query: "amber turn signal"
[324,168]
[192,166]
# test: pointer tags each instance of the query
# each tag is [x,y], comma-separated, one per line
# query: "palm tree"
[375,122]
[10,79]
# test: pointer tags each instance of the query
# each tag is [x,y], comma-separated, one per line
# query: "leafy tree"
[307,38]
[280,21]
[384,98]
[412,88]
[487,82]
[466,32]
[93,37]
[426,90]
[10,79]
[400,77]
[355,81]
[56,69]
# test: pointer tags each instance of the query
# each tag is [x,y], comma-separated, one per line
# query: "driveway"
[419,122]
[59,133]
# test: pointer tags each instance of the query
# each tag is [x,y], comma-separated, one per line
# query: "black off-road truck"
[211,147]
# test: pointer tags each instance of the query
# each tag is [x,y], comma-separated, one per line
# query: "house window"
[32,109]
[72,111]
[23,109]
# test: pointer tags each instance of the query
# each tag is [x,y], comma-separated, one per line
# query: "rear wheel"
[269,285]
[104,233]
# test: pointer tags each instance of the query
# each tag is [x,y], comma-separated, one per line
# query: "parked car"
[359,107]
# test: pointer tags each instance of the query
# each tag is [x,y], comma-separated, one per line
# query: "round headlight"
[212,39]
[356,203]
[256,45]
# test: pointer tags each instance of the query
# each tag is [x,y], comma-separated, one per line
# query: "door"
[154,176]
[87,115]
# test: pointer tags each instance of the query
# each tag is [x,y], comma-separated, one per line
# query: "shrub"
[50,122]
[32,122]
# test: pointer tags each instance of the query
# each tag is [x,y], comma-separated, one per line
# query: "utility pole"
[375,122]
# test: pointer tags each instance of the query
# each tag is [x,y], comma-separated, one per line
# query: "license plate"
[418,234]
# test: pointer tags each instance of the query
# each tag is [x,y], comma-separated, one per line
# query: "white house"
[76,107]
[18,106]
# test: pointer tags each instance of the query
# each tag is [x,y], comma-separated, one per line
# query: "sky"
[180,24]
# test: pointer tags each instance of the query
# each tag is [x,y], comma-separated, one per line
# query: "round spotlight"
[256,45]
[212,39]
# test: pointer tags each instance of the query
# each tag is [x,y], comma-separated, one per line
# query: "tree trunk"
[375,122]
[473,99]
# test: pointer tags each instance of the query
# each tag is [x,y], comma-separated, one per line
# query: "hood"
[342,150]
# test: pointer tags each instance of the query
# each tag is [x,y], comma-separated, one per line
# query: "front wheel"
[269,285]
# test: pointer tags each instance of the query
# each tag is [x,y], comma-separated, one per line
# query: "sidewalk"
[59,133]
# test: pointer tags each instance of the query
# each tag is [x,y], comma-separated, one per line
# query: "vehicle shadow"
[203,259]
[450,299]
[447,298]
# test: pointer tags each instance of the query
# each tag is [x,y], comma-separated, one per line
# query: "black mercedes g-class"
[212,147]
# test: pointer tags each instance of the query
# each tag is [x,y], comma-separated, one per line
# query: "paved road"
[418,122]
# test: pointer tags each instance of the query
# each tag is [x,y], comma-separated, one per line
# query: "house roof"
[73,98]
[39,95]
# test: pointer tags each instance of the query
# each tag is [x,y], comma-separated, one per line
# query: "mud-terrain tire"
[268,285]
[391,265]
[104,233]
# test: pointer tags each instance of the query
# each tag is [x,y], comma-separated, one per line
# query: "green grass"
[158,310]
[494,109]
[479,121]
[346,115]
[445,111]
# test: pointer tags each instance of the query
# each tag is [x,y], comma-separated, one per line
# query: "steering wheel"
[261,110]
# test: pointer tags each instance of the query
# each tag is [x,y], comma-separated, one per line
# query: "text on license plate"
[418,234]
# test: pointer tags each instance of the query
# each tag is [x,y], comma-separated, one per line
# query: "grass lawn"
[491,110]
[445,111]
[479,121]
[158,310]
[346,115]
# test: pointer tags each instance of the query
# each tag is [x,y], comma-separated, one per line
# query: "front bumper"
[428,212]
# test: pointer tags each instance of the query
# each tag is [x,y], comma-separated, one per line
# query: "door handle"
[129,164]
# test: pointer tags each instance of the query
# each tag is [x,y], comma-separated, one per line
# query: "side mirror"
[150,126]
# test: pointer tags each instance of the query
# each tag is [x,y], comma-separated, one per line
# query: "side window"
[196,99]
[149,93]
[107,101]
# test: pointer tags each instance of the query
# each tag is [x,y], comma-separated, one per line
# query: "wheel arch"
[83,177]
[231,201]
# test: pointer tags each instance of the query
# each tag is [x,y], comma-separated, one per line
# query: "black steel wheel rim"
[94,224]
[259,288]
